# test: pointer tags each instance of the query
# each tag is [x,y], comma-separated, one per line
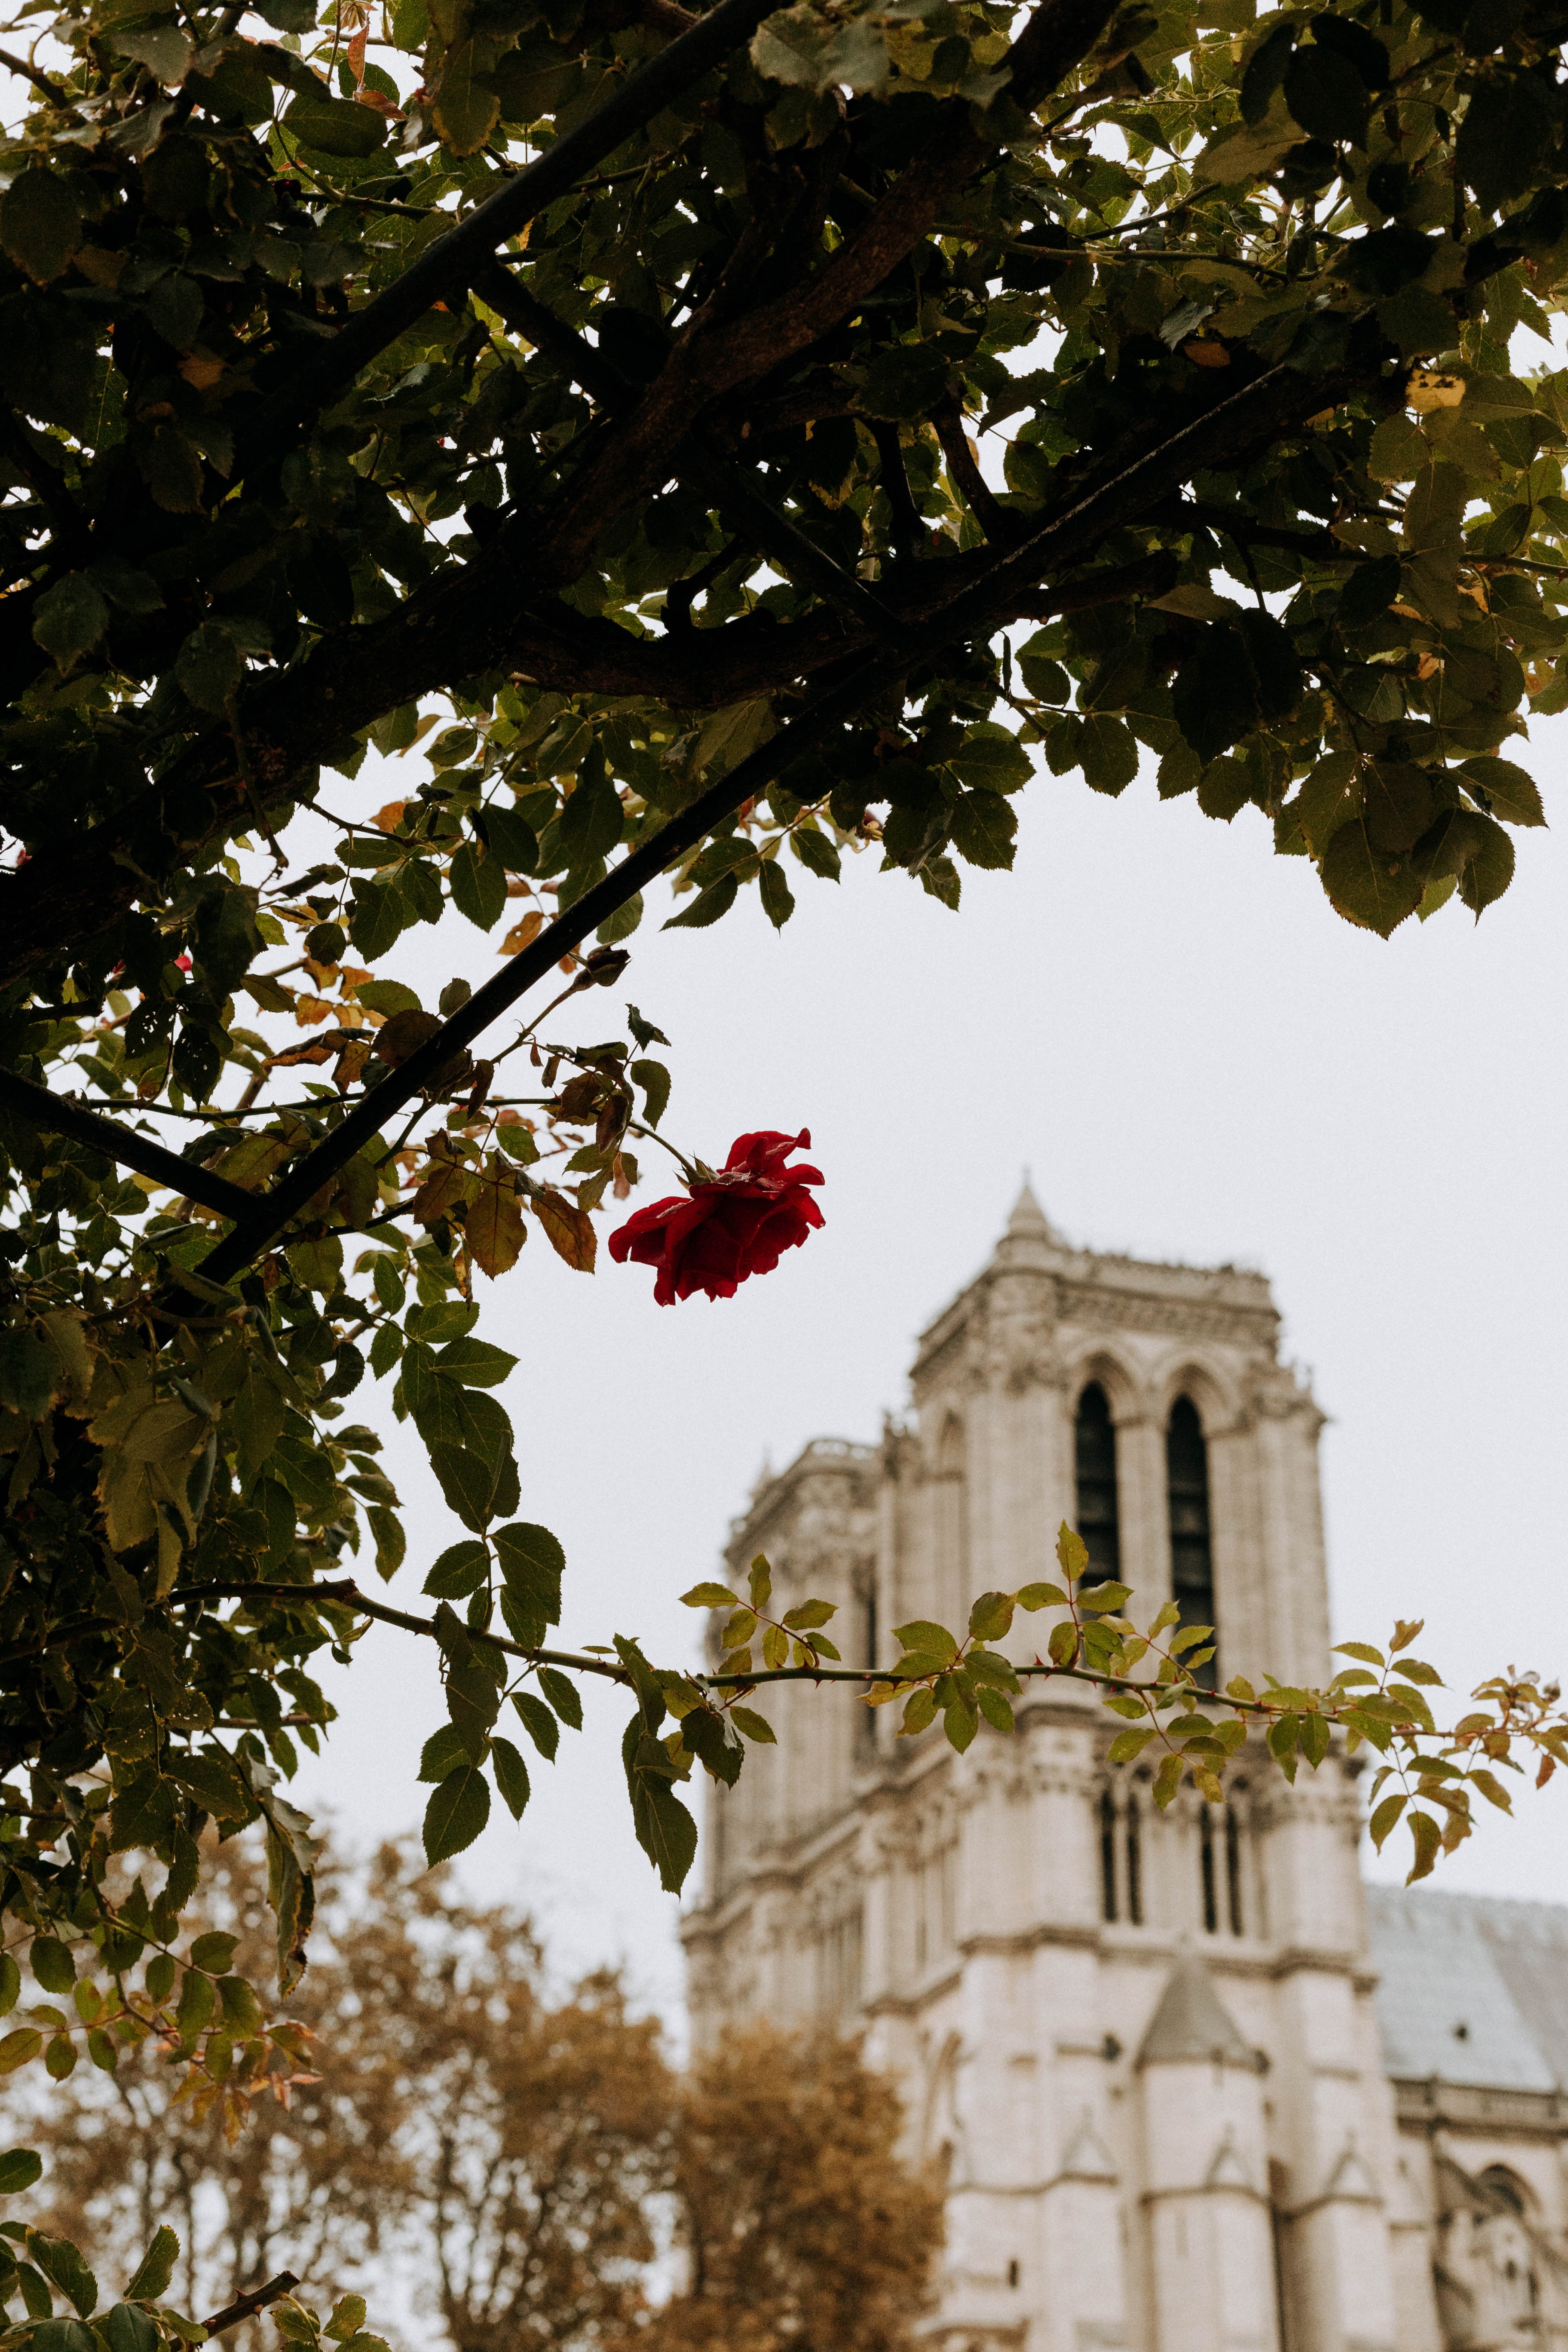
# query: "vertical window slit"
[1233,1869]
[1108,1855]
[1134,1866]
[1205,1858]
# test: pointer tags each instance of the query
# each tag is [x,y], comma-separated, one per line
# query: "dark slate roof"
[1497,1969]
[1190,2021]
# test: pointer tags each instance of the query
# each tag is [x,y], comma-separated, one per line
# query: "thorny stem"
[348,1596]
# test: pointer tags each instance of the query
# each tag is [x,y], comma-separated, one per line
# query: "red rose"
[735,1223]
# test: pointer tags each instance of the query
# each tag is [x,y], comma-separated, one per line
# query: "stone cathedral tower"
[1144,2049]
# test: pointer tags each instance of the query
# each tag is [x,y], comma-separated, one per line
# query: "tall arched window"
[1187,1492]
[1094,1450]
[952,1563]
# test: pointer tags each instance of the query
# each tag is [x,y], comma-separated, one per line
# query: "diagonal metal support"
[448,265]
[719,477]
[61,1114]
[273,1209]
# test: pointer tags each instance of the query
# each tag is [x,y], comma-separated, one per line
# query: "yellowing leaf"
[1431,388]
[201,369]
[494,1224]
[570,1233]
[449,1183]
[522,934]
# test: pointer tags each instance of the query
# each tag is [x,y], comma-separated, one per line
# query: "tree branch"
[712,359]
[250,2304]
[1000,524]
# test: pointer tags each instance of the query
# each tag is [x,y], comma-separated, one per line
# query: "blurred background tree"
[527,2162]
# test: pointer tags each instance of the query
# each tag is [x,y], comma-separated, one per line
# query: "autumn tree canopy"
[528,2167]
[707,448]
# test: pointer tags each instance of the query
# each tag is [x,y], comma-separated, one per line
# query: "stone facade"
[1144,2051]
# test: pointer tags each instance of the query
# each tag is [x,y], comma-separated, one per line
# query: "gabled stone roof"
[1192,2022]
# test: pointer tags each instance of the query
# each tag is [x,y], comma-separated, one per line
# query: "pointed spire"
[1192,2022]
[1027,1216]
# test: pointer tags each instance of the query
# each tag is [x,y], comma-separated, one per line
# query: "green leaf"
[335,126]
[531,1566]
[1487,874]
[126,2328]
[475,1363]
[1326,95]
[40,222]
[709,1596]
[665,1830]
[959,1722]
[1108,753]
[19,2168]
[1383,1819]
[991,1616]
[904,381]
[1508,128]
[52,1964]
[1511,793]
[512,1774]
[442,1753]
[996,1709]
[807,1614]
[460,1570]
[778,899]
[209,666]
[475,1488]
[563,1695]
[923,1635]
[388,996]
[213,1953]
[377,917]
[1492,1788]
[467,107]
[70,619]
[478,883]
[815,852]
[653,1079]
[539,1722]
[457,1812]
[1041,1596]
[756,1726]
[919,1712]
[1427,1839]
[707,907]
[591,821]
[991,759]
[65,2265]
[1362,1650]
[983,828]
[1127,1745]
[1369,887]
[1417,1670]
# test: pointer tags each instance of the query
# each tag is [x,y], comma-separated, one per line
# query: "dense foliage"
[592,397]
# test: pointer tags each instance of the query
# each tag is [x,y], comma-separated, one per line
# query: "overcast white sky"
[1196,1058]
